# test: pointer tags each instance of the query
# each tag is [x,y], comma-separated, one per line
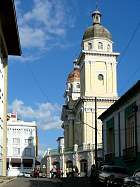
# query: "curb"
[6,182]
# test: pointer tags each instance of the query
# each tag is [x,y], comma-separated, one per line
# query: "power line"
[125,50]
[115,130]
[134,73]
[90,126]
[37,82]
[129,42]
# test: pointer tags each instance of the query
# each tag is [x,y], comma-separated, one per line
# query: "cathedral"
[93,79]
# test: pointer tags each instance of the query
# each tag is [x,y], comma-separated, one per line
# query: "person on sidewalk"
[53,172]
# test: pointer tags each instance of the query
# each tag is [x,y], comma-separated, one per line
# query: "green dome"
[97,30]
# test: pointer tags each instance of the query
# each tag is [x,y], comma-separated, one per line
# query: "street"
[43,182]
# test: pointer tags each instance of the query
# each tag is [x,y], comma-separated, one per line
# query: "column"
[62,160]
[90,161]
[22,167]
[49,165]
[75,155]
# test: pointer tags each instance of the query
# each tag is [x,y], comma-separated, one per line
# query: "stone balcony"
[75,148]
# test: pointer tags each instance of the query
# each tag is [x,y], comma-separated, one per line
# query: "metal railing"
[69,149]
[54,152]
[84,147]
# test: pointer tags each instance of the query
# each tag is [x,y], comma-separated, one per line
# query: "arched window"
[100,45]
[108,47]
[78,85]
[100,77]
[97,18]
[89,46]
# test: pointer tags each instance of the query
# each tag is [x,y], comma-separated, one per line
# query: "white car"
[26,174]
[111,174]
[133,181]
[21,174]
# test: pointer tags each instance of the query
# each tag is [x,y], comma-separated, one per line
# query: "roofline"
[59,138]
[95,53]
[122,100]
[16,25]
[10,27]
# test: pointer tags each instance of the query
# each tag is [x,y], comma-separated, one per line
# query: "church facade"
[93,79]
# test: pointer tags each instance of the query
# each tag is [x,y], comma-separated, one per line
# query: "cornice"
[93,53]
[96,53]
[91,98]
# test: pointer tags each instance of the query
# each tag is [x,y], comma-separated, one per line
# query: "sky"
[51,33]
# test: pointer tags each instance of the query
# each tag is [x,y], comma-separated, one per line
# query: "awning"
[37,162]
[15,160]
[27,161]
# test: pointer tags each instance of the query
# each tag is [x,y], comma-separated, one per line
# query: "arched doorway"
[69,168]
[69,164]
[83,167]
[56,164]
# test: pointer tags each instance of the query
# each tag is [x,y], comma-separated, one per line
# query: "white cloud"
[45,22]
[41,151]
[25,58]
[47,115]
[48,14]
[32,37]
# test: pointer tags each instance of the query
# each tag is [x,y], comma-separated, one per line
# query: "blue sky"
[51,33]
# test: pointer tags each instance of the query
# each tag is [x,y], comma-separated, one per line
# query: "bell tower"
[98,78]
[98,61]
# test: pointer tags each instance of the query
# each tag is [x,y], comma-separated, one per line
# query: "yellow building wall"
[88,121]
[92,86]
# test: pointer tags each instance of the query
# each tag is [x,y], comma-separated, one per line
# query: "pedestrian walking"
[93,175]
[53,172]
[76,171]
[58,173]
[61,171]
[67,172]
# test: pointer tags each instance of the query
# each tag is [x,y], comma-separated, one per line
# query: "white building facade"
[9,45]
[22,146]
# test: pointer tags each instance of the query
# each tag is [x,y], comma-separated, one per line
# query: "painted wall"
[3,100]
[120,144]
[21,144]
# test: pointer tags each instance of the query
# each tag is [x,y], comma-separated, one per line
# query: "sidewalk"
[4,180]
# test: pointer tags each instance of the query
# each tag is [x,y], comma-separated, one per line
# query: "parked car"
[27,174]
[110,174]
[133,181]
[21,174]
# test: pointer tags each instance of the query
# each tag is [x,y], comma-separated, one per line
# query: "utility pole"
[96,163]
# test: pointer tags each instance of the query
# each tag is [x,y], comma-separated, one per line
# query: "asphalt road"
[43,182]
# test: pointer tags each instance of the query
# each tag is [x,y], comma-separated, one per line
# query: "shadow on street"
[45,182]
[76,182]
